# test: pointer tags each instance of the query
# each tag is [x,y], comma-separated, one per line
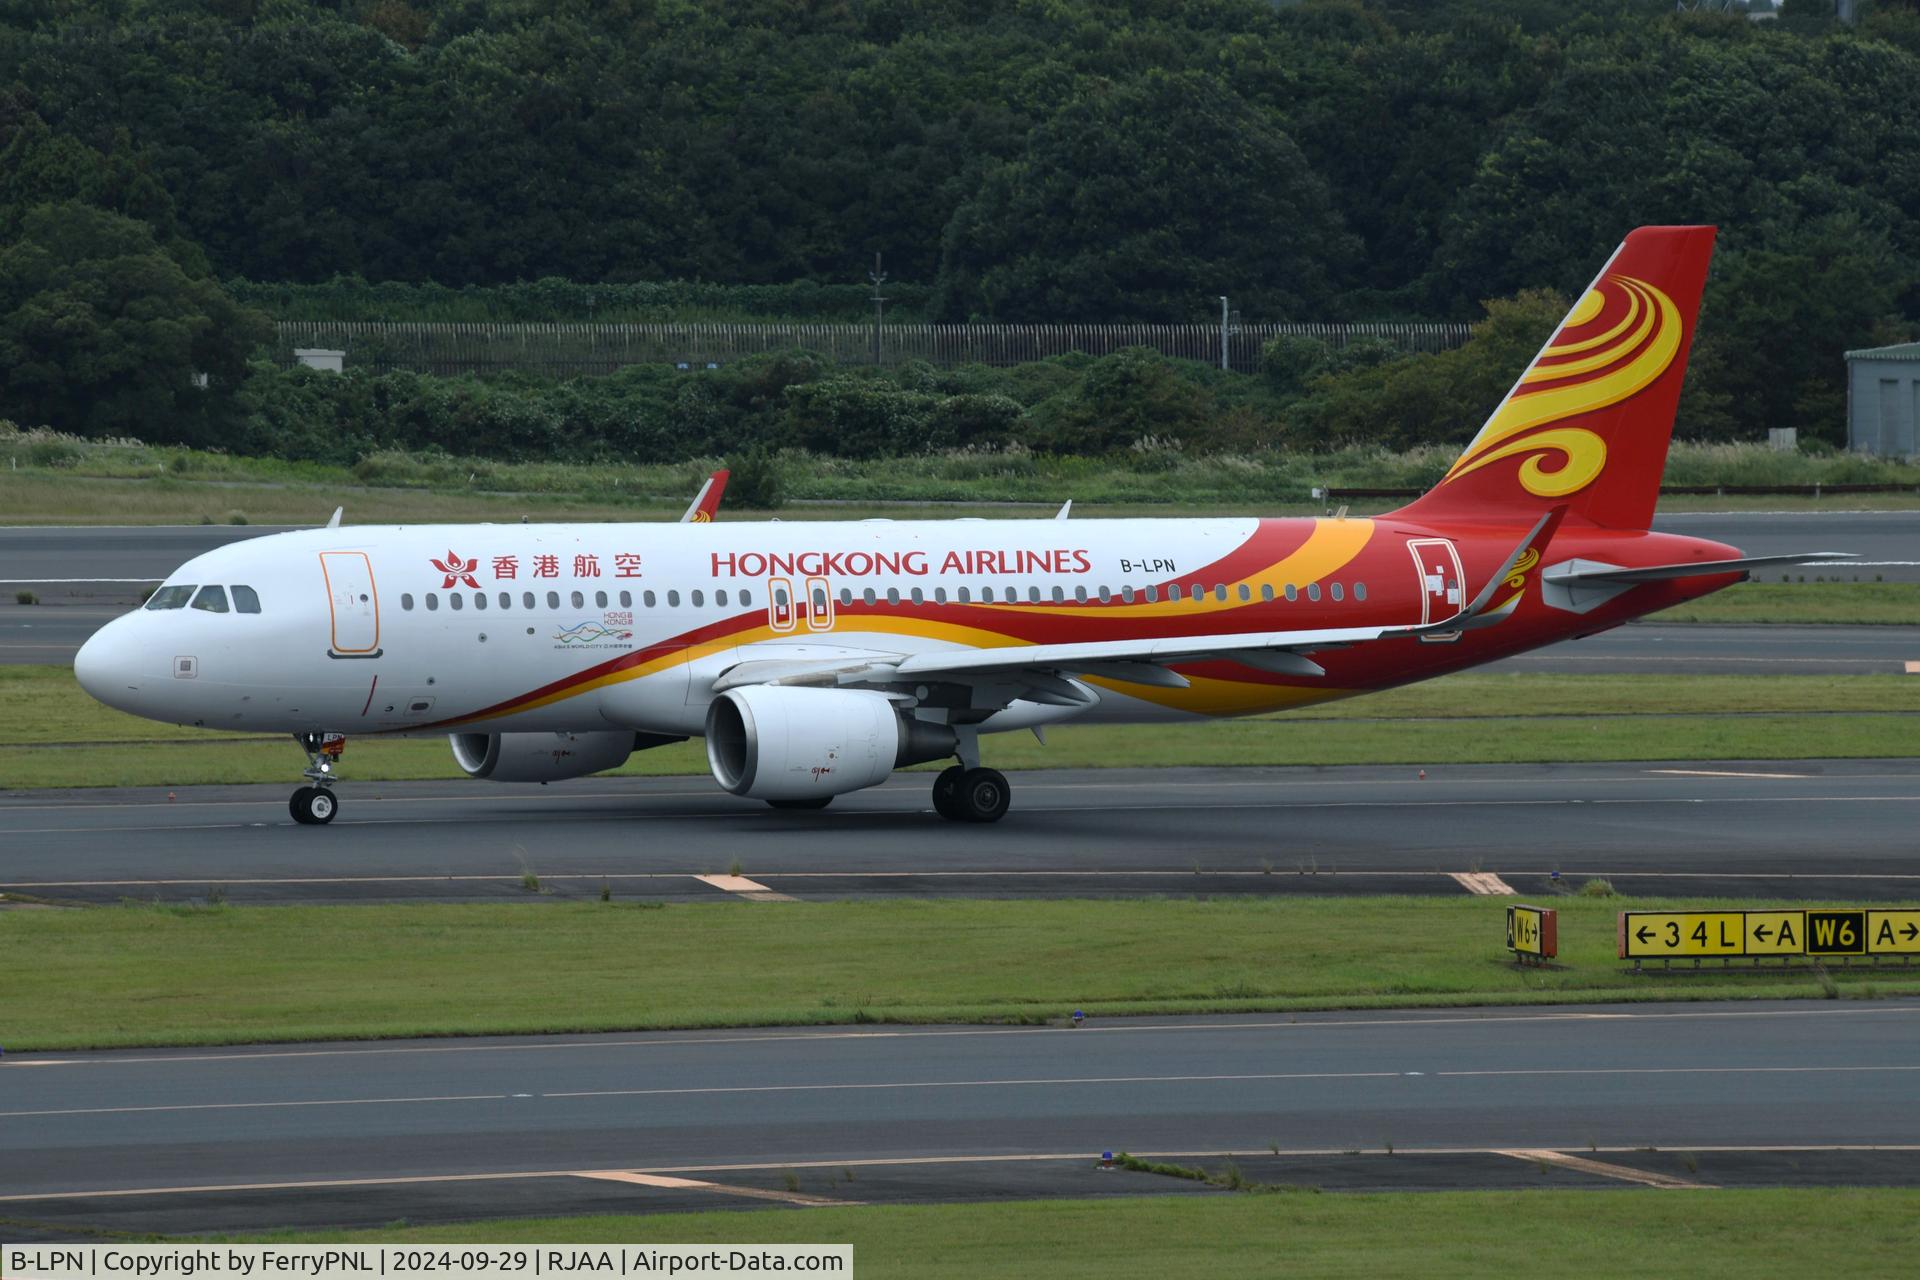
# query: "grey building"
[1883,400]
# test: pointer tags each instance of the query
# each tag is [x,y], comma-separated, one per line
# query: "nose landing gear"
[316,805]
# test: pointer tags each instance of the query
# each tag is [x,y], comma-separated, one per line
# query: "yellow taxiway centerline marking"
[756,1193]
[1605,1170]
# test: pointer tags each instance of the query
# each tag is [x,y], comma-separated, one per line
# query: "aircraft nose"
[108,664]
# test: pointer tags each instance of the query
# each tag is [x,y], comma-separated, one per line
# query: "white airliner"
[817,658]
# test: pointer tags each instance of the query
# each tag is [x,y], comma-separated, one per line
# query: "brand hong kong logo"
[457,570]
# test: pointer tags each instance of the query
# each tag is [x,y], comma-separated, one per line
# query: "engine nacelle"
[779,742]
[540,757]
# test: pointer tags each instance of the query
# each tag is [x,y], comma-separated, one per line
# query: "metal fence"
[566,350]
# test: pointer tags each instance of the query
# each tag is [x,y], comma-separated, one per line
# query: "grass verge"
[1772,1232]
[1836,603]
[1462,719]
[157,975]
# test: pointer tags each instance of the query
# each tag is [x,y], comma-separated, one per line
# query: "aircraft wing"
[1035,670]
[706,502]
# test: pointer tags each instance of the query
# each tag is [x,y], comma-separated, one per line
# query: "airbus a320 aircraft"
[817,658]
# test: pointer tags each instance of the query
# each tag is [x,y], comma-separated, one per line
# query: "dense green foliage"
[1073,160]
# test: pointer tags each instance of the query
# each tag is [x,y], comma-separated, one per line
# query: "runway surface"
[1694,1095]
[1784,829]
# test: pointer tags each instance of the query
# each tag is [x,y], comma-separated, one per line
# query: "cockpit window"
[246,600]
[211,599]
[171,598]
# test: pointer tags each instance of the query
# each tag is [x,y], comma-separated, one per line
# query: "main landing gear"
[961,794]
[316,805]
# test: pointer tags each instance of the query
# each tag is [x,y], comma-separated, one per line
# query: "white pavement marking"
[1726,773]
[1483,882]
[1605,1170]
[694,1184]
[752,890]
[1022,1157]
[253,1106]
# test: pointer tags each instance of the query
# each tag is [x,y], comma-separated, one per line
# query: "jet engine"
[540,757]
[785,743]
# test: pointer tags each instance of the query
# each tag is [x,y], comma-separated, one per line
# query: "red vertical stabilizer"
[1589,422]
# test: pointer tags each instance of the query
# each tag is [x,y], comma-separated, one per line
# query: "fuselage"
[584,627]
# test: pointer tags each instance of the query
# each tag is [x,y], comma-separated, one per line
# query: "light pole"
[879,278]
[1223,331]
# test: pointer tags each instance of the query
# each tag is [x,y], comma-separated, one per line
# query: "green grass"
[1629,1234]
[155,975]
[1844,603]
[71,481]
[1462,719]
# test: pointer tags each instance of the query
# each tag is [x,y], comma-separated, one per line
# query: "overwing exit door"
[1438,564]
[353,606]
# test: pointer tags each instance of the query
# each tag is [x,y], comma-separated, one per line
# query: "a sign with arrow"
[1534,931]
[1661,935]
[1776,933]
[1666,935]
[1893,933]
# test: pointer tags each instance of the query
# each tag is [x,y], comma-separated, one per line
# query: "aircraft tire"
[984,795]
[314,806]
[946,793]
[812,802]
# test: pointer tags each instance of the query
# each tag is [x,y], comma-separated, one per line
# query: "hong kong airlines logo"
[457,570]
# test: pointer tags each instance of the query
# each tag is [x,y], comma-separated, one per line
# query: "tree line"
[171,172]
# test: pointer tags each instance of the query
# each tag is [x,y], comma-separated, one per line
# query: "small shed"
[1883,400]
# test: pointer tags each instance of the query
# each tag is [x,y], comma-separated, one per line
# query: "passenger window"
[171,598]
[1339,592]
[893,595]
[647,598]
[245,600]
[1220,591]
[846,595]
[479,599]
[600,600]
[1105,595]
[579,601]
[1359,591]
[964,596]
[1080,594]
[406,602]
[696,599]
[917,597]
[211,600]
[1246,592]
[746,599]
[1126,595]
[553,599]
[1293,593]
[673,599]
[986,595]
[454,600]
[526,601]
[868,595]
[1033,595]
[719,597]
[1313,591]
[433,603]
[506,599]
[1266,591]
[1152,593]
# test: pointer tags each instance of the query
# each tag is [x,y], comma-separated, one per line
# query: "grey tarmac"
[1771,829]
[1674,1096]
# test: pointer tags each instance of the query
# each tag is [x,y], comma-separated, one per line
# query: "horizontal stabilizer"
[1582,572]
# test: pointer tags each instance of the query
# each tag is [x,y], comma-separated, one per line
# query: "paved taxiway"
[1833,828]
[207,1139]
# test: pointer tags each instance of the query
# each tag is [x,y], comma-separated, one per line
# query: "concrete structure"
[1883,400]
[322,358]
